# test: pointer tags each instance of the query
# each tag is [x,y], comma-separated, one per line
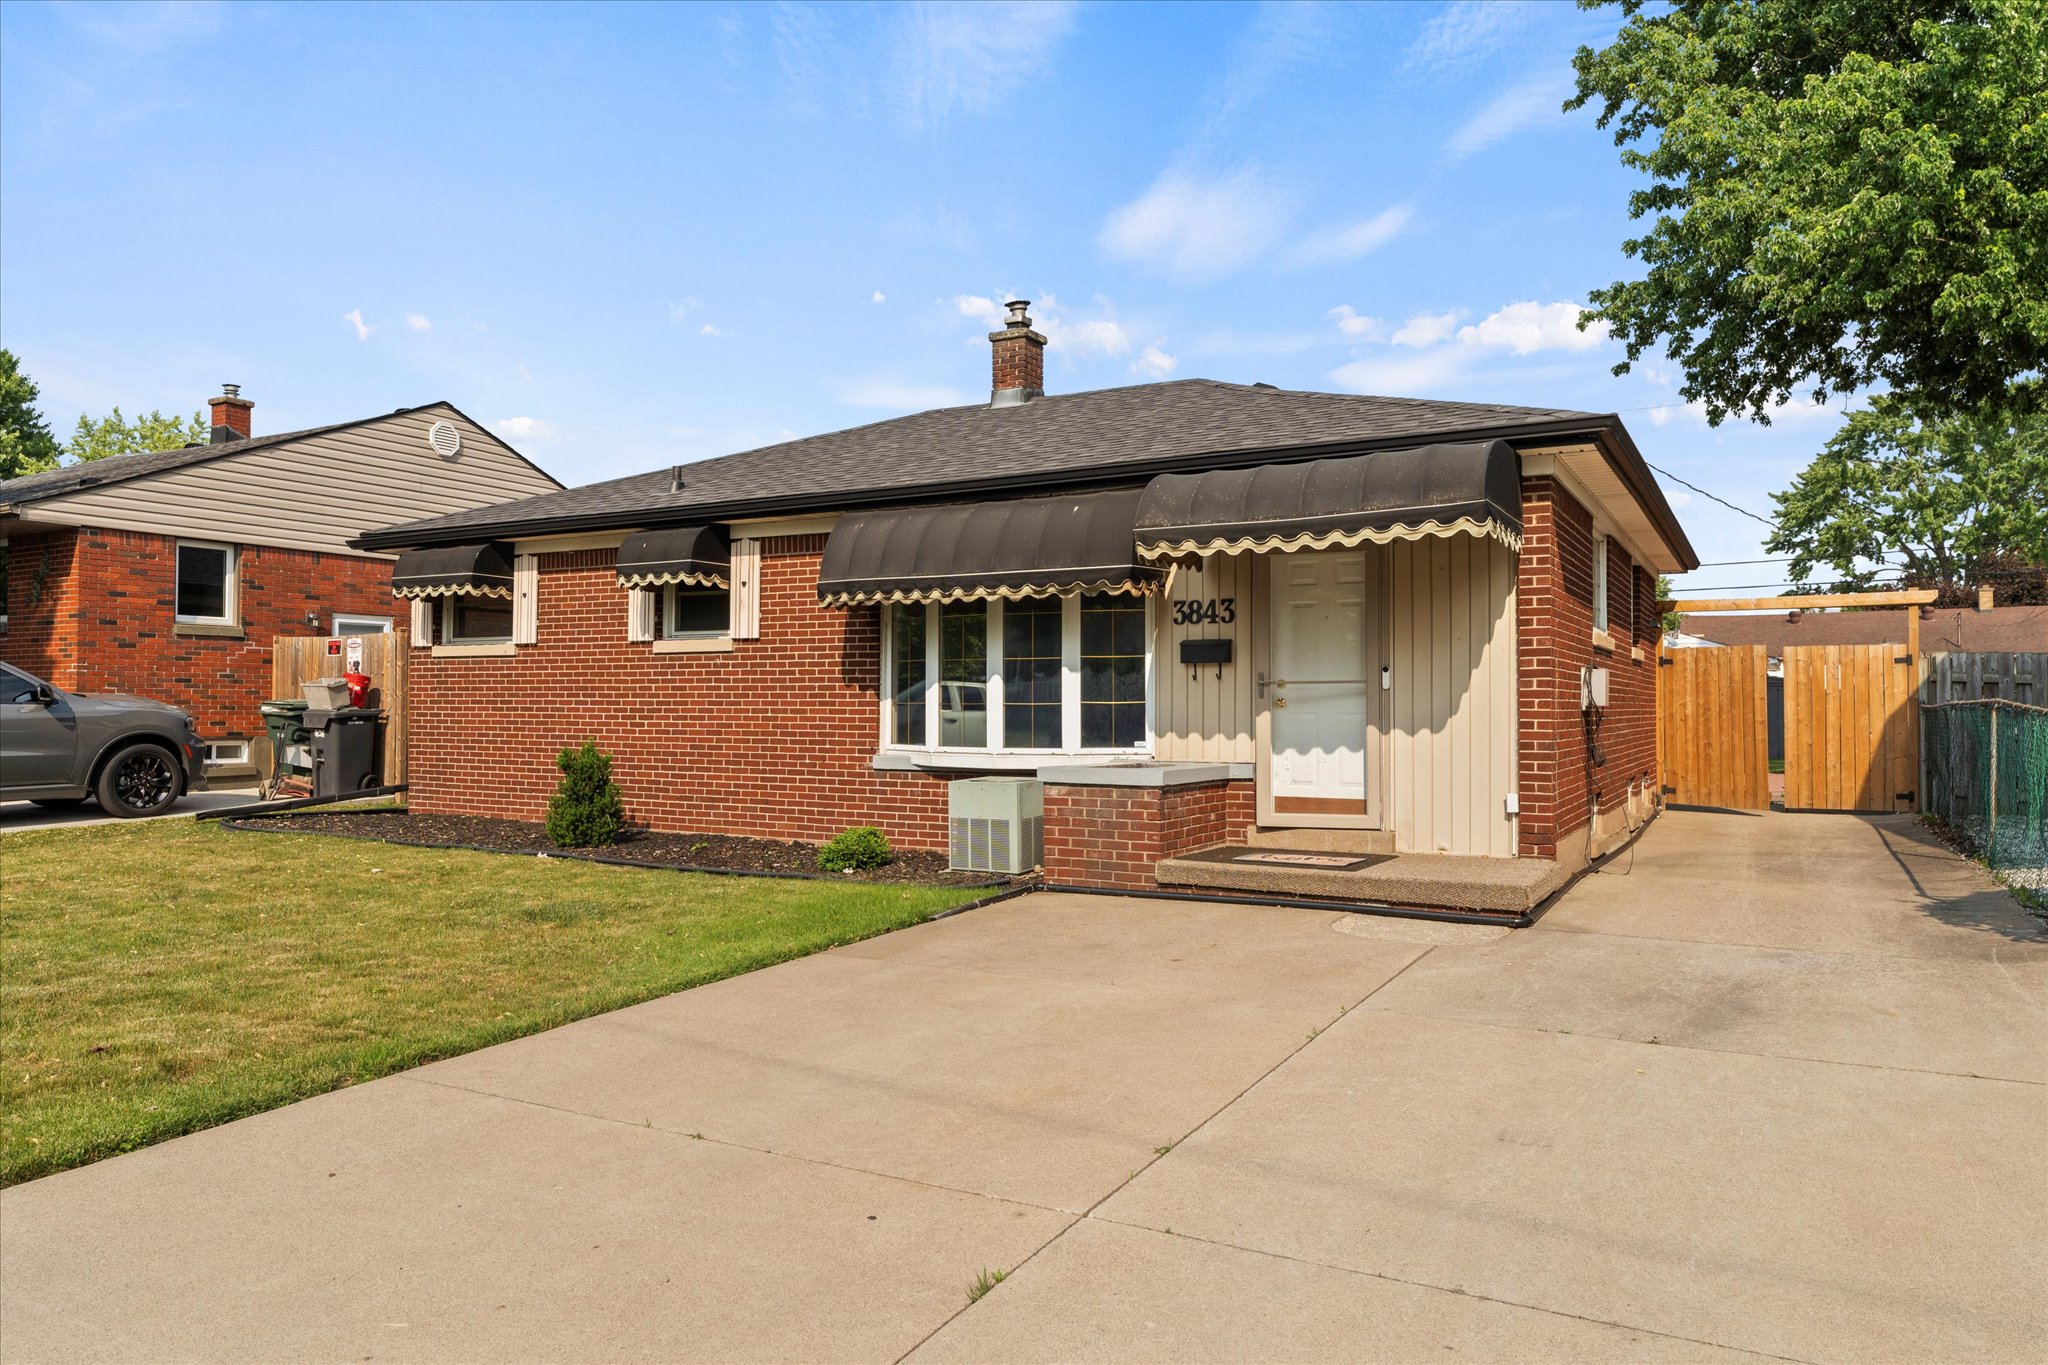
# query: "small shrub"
[585,811]
[854,851]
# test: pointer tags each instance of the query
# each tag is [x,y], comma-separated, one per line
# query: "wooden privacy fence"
[1712,727]
[1982,677]
[300,659]
[1850,741]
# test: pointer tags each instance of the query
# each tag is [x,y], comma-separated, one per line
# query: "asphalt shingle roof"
[1086,435]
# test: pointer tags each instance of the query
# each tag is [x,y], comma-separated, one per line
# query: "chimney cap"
[231,390]
[1019,314]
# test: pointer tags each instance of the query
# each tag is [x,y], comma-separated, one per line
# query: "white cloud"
[1353,323]
[1427,329]
[681,309]
[879,297]
[895,395]
[418,323]
[1519,107]
[1335,245]
[708,330]
[981,308]
[354,318]
[971,57]
[1424,375]
[1196,229]
[1100,335]
[1153,363]
[525,429]
[1679,499]
[1461,34]
[1528,327]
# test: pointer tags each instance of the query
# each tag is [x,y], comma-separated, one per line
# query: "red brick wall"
[773,739]
[102,621]
[1115,836]
[1560,777]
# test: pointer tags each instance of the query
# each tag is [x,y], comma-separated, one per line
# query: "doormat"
[1326,862]
[1281,857]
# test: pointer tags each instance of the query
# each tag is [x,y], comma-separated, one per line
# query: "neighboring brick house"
[1200,613]
[168,574]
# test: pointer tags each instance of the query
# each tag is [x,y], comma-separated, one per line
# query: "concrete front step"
[1443,881]
[1322,840]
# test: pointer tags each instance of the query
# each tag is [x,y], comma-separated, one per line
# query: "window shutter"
[1599,582]
[640,608]
[422,622]
[525,599]
[746,590]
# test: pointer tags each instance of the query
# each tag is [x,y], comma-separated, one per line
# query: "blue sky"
[631,236]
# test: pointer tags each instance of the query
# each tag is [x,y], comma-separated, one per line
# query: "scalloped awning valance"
[454,571]
[697,555]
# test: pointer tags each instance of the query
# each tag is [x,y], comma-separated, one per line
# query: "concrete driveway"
[25,815]
[1771,1087]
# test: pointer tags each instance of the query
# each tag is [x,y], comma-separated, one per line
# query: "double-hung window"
[688,612]
[1600,583]
[1038,675]
[471,620]
[206,584]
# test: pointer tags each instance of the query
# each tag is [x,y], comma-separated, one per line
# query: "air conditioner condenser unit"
[995,824]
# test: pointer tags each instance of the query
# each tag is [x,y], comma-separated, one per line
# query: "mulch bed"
[647,848]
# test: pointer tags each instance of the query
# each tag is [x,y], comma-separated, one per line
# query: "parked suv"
[57,748]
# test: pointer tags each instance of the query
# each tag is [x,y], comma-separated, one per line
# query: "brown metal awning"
[1438,490]
[454,571]
[1026,547]
[699,555]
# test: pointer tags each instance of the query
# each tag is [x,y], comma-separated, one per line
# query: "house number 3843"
[1214,611]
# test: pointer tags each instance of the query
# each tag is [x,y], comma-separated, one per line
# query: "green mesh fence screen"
[1987,775]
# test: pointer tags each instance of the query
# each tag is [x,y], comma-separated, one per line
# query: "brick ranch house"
[1201,613]
[168,574]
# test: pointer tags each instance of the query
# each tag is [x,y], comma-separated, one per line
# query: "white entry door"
[1320,690]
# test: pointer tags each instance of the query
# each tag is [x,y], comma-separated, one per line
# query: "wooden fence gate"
[1712,727]
[1849,728]
[301,658]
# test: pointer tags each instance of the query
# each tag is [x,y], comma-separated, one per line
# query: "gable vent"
[445,439]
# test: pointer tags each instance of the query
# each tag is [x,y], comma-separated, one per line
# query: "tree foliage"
[1845,193]
[1964,498]
[115,435]
[26,445]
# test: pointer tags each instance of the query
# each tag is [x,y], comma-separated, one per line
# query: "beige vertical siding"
[1452,740]
[1198,715]
[317,493]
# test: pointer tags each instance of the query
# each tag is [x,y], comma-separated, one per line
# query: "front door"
[1318,691]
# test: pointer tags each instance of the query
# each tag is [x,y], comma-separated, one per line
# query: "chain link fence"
[1986,775]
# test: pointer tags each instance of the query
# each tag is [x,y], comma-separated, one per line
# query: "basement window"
[206,583]
[226,753]
[1050,675]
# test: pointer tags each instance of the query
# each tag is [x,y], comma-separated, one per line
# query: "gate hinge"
[1671,791]
[1902,658]
[1904,796]
[1664,662]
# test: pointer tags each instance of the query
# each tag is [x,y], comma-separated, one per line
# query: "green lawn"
[162,977]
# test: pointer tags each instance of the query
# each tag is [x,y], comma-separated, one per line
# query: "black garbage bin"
[345,745]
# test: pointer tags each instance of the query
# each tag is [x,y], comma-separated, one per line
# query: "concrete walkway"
[1772,1087]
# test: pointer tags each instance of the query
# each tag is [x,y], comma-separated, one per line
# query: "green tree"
[1962,498]
[1844,192]
[26,445]
[115,435]
[1672,621]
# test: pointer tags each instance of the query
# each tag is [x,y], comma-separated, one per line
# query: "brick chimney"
[1984,598]
[1018,356]
[230,414]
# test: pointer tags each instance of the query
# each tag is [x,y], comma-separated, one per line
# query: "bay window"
[1036,675]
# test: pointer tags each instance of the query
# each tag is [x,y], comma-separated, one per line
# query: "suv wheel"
[139,781]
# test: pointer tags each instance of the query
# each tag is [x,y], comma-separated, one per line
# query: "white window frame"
[448,618]
[231,590]
[346,623]
[218,751]
[1600,584]
[1070,747]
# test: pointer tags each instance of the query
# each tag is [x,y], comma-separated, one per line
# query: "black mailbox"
[1205,652]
